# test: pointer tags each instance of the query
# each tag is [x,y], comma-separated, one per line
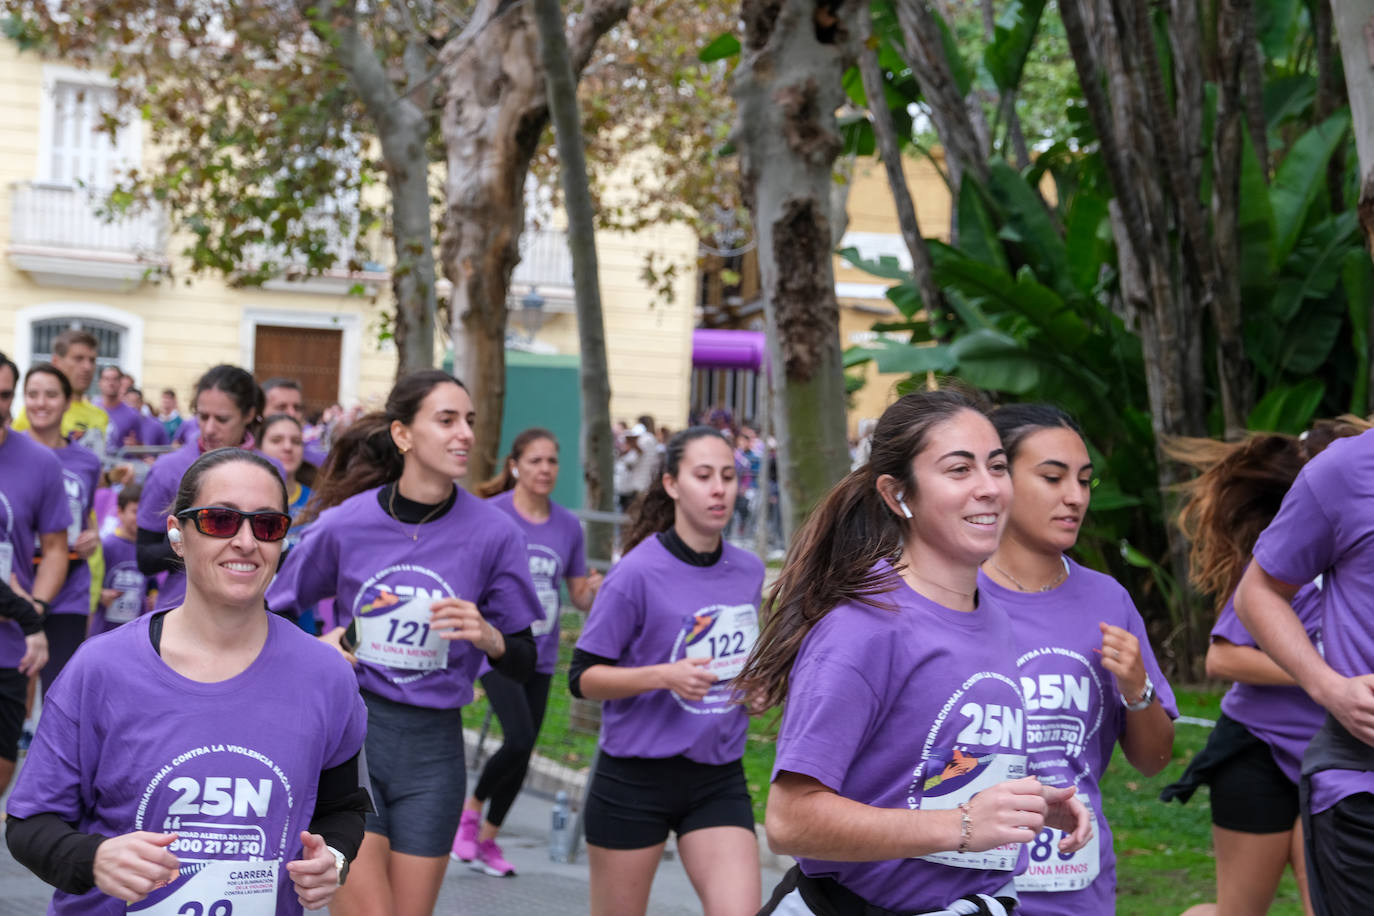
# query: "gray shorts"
[415,761]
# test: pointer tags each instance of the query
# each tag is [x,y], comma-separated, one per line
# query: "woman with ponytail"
[428,583]
[1253,758]
[554,540]
[667,635]
[899,782]
[1087,670]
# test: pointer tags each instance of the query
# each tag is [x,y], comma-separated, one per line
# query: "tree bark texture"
[1233,36]
[1354,24]
[402,122]
[596,445]
[955,118]
[922,267]
[1118,79]
[788,87]
[1330,96]
[495,110]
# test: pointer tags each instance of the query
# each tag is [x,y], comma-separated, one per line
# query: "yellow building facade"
[64,267]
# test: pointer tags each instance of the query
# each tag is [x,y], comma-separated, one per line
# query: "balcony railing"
[65,218]
[544,260]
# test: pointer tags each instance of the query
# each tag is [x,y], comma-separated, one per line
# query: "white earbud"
[901,501]
[515,472]
[174,536]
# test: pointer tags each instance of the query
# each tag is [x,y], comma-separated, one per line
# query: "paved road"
[540,887]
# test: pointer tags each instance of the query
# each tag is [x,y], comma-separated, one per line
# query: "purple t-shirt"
[123,420]
[188,432]
[366,560]
[122,575]
[233,767]
[555,551]
[654,609]
[1322,529]
[80,476]
[33,501]
[912,706]
[152,432]
[1074,719]
[1285,718]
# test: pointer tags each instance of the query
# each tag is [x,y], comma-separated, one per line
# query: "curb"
[547,778]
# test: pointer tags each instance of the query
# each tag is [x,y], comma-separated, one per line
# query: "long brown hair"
[1238,493]
[505,480]
[655,510]
[365,455]
[832,558]
[1236,496]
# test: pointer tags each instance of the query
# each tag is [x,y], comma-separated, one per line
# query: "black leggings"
[66,633]
[520,709]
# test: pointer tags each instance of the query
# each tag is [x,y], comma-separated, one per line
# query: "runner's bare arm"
[807,818]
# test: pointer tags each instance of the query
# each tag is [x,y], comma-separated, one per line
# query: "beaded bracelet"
[965,827]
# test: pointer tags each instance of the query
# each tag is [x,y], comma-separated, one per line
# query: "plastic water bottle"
[560,832]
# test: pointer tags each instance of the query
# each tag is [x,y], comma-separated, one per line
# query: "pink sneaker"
[490,860]
[465,843]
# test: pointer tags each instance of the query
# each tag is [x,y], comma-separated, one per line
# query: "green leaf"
[853,84]
[895,357]
[1083,242]
[1276,24]
[1300,178]
[1013,36]
[963,73]
[856,356]
[887,267]
[1254,222]
[1357,276]
[992,360]
[857,131]
[1288,408]
[1025,214]
[1134,557]
[1023,295]
[978,233]
[722,46]
[1318,257]
[1288,97]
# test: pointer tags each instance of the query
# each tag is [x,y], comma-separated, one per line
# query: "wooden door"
[308,355]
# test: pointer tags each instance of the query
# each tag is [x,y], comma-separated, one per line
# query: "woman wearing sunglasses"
[427,580]
[228,404]
[166,775]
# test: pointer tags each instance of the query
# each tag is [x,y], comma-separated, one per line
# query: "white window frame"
[130,345]
[130,145]
[350,348]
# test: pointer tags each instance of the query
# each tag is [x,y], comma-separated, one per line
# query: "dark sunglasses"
[223,522]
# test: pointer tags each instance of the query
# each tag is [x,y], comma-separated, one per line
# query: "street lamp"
[531,314]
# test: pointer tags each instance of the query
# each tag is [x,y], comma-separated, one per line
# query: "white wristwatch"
[340,862]
[1145,700]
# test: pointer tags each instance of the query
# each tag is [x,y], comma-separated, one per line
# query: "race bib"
[217,888]
[74,529]
[6,561]
[958,781]
[402,638]
[726,638]
[1052,870]
[548,600]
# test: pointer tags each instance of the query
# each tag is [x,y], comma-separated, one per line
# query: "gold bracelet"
[965,827]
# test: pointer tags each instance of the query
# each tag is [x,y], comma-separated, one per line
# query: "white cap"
[638,430]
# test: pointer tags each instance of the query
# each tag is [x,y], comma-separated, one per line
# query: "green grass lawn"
[1164,852]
